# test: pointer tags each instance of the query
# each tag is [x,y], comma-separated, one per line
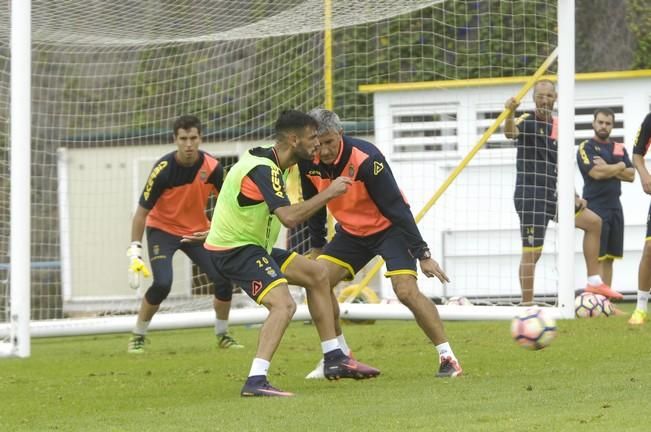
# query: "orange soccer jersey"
[176,195]
[372,204]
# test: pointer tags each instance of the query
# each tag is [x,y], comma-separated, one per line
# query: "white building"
[426,129]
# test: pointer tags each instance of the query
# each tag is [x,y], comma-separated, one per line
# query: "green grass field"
[594,377]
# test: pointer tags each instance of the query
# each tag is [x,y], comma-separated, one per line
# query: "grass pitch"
[593,377]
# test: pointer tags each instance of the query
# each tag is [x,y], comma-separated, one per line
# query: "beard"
[603,135]
[303,154]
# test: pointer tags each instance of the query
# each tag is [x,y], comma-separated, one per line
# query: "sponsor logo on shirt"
[275,182]
[256,287]
[152,177]
[377,167]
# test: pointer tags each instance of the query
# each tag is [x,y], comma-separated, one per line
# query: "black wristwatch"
[425,254]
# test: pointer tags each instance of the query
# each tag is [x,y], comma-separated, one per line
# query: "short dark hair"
[293,121]
[187,122]
[606,111]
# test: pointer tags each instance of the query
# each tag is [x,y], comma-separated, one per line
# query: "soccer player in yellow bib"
[250,209]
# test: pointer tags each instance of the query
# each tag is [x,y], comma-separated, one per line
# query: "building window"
[425,128]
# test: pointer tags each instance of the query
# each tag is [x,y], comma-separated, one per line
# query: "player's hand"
[431,268]
[579,204]
[136,264]
[511,104]
[646,183]
[339,186]
[314,253]
[199,236]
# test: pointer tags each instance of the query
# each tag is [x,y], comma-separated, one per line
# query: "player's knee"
[285,306]
[318,275]
[646,253]
[590,221]
[406,292]
[157,293]
[321,277]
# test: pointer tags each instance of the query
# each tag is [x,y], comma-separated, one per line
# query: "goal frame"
[18,332]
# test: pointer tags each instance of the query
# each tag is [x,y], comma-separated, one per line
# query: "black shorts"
[534,217]
[353,253]
[252,269]
[612,232]
[162,246]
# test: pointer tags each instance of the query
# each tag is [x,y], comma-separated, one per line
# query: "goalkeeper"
[172,209]
[374,219]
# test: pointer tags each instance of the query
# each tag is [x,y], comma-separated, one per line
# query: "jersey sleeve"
[585,157]
[156,184]
[627,159]
[643,137]
[317,222]
[271,184]
[383,189]
[216,177]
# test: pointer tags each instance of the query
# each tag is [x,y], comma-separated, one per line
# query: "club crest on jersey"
[351,170]
[256,287]
[271,272]
[530,237]
[203,175]
[377,167]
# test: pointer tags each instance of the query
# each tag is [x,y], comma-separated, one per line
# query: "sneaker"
[604,290]
[259,386]
[638,318]
[449,368]
[136,344]
[318,372]
[347,367]
[226,341]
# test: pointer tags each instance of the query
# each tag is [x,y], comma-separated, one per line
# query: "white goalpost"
[109,78]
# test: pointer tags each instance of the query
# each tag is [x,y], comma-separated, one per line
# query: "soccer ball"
[459,301]
[588,305]
[607,308]
[533,329]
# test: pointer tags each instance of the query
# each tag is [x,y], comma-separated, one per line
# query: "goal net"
[109,78]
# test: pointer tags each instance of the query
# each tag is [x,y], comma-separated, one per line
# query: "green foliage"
[639,18]
[593,377]
[453,40]
[168,82]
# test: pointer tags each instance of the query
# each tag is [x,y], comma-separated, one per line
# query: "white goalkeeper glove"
[137,265]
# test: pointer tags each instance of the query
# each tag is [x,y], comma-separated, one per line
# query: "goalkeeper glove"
[137,265]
